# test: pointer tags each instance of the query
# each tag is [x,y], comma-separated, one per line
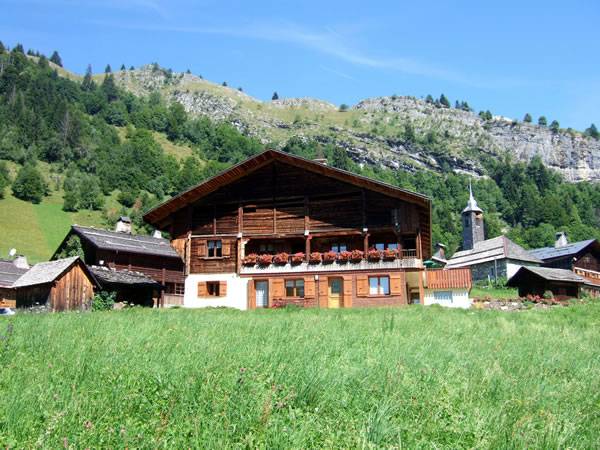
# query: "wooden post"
[307,248]
[419,249]
[366,244]
[421,291]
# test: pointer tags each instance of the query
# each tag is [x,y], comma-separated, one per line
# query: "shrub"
[103,301]
[548,295]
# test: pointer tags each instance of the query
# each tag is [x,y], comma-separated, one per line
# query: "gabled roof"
[159,213]
[572,249]
[499,247]
[47,272]
[124,242]
[9,273]
[549,274]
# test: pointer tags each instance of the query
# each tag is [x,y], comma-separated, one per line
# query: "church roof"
[472,203]
[499,247]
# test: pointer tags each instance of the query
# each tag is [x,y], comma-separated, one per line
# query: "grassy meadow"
[411,377]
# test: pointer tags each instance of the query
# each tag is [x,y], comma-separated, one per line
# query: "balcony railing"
[331,262]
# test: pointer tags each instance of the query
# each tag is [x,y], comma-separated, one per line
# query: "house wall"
[236,291]
[73,290]
[480,272]
[460,298]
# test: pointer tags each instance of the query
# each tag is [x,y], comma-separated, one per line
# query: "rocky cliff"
[396,131]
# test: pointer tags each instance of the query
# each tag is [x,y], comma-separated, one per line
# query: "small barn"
[131,287]
[10,272]
[62,285]
[562,283]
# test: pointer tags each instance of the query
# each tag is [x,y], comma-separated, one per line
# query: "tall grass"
[412,377]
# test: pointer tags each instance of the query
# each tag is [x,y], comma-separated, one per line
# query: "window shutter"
[202,291]
[226,248]
[201,248]
[309,287]
[347,292]
[222,288]
[396,284]
[277,288]
[362,285]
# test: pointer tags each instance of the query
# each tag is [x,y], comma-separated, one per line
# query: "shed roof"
[572,249]
[158,214]
[9,273]
[124,242]
[499,247]
[549,274]
[47,272]
[107,275]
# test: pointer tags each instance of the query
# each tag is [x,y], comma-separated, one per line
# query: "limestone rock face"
[373,131]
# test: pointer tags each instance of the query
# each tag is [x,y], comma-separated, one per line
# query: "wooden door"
[262,294]
[334,293]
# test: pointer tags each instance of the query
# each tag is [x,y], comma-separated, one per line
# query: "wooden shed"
[563,284]
[10,272]
[62,285]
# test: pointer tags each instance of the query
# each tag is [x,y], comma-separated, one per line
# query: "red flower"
[356,255]
[374,255]
[315,257]
[329,256]
[390,253]
[265,260]
[281,258]
[250,259]
[297,258]
[345,256]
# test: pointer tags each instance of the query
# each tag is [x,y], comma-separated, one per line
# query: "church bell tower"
[472,219]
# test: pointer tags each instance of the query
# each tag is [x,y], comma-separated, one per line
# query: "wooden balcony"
[407,261]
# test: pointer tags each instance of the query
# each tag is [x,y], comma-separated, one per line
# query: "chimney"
[123,225]
[21,262]
[157,234]
[561,239]
[321,161]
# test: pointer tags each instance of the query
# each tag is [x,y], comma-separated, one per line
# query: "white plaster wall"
[460,298]
[237,291]
[513,266]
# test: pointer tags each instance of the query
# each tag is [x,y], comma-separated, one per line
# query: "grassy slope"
[411,377]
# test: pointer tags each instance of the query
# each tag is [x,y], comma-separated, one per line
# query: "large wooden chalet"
[278,229]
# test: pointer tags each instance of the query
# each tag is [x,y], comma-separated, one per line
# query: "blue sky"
[509,57]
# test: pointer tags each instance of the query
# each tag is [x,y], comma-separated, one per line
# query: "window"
[179,288]
[266,248]
[215,249]
[442,296]
[338,247]
[174,288]
[379,285]
[386,245]
[212,288]
[294,288]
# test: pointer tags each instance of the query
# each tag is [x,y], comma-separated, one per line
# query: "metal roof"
[9,273]
[499,247]
[546,253]
[550,274]
[124,242]
[45,272]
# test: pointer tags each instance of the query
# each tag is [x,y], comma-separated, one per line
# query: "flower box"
[250,259]
[281,258]
[315,258]
[373,255]
[345,256]
[265,260]
[329,257]
[390,254]
[298,258]
[356,255]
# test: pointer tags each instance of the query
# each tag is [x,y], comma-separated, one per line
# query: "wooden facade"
[292,210]
[68,289]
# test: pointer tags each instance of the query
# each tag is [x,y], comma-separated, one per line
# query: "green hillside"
[87,149]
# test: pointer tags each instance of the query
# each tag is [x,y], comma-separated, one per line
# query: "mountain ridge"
[374,131]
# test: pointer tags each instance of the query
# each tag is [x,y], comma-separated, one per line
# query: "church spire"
[472,203]
[472,217]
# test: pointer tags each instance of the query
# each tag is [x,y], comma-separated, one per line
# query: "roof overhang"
[157,215]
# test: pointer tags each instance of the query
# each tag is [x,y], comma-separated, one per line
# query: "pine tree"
[592,131]
[18,49]
[2,48]
[457,105]
[542,121]
[224,84]
[429,99]
[123,68]
[131,68]
[29,184]
[43,62]
[527,118]
[444,101]
[56,59]
[88,82]
[108,69]
[4,178]
[555,126]
[275,96]
[110,88]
